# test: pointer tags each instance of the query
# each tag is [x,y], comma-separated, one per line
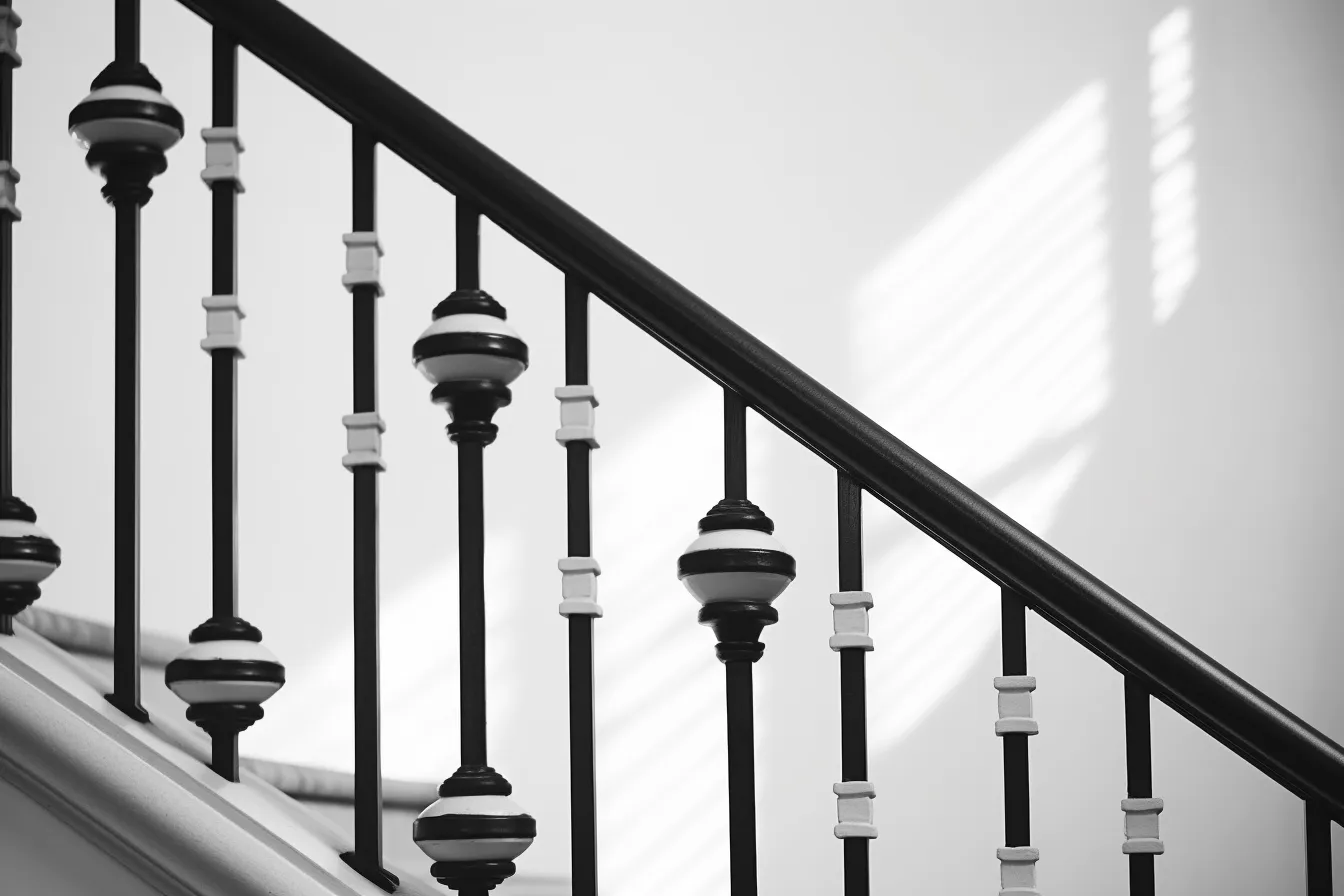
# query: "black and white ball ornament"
[27,556]
[225,675]
[127,125]
[473,832]
[736,569]
[736,559]
[470,339]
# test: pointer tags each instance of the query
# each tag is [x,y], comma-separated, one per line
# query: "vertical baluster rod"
[224,380]
[1016,775]
[582,754]
[365,463]
[474,831]
[8,63]
[1139,776]
[1017,858]
[1319,871]
[734,445]
[853,686]
[225,674]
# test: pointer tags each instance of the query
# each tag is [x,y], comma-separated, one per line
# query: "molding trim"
[303,782]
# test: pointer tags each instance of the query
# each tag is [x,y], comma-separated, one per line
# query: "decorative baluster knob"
[736,569]
[127,125]
[471,355]
[473,832]
[27,556]
[226,674]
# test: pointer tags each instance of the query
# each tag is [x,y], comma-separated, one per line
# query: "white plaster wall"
[41,854]
[1082,254]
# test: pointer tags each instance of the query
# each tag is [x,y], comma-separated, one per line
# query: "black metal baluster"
[472,355]
[27,554]
[226,674]
[364,428]
[579,586]
[1140,808]
[127,125]
[736,569]
[1317,831]
[1018,857]
[855,793]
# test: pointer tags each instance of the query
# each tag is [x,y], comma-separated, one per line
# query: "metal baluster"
[579,572]
[1317,830]
[736,569]
[27,554]
[474,831]
[226,674]
[1017,858]
[1141,809]
[363,458]
[854,794]
[127,125]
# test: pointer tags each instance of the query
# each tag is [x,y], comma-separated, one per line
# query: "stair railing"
[735,568]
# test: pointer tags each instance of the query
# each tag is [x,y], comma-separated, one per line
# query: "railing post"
[1017,857]
[127,125]
[736,569]
[27,554]
[474,831]
[364,428]
[854,793]
[579,572]
[1140,807]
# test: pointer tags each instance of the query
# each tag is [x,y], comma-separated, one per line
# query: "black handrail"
[1185,678]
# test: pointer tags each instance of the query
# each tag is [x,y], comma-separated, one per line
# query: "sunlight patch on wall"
[418,679]
[983,343]
[1175,251]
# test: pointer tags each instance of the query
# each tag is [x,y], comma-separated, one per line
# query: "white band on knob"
[854,810]
[363,440]
[1141,826]
[578,586]
[577,415]
[1015,705]
[851,620]
[362,251]
[9,34]
[222,148]
[223,324]
[1017,870]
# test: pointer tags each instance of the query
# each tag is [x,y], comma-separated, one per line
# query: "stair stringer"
[167,822]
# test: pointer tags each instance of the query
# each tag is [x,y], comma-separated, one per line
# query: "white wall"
[1081,254]
[41,854]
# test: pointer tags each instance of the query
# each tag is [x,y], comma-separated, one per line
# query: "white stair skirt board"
[325,796]
[144,794]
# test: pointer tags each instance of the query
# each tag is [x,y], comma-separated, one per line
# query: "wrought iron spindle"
[27,554]
[127,125]
[226,674]
[1317,831]
[854,793]
[736,569]
[578,590]
[1017,857]
[1141,808]
[473,831]
[364,428]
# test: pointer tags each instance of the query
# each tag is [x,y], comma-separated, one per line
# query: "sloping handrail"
[1185,678]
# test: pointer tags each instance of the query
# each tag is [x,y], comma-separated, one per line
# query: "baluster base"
[380,877]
